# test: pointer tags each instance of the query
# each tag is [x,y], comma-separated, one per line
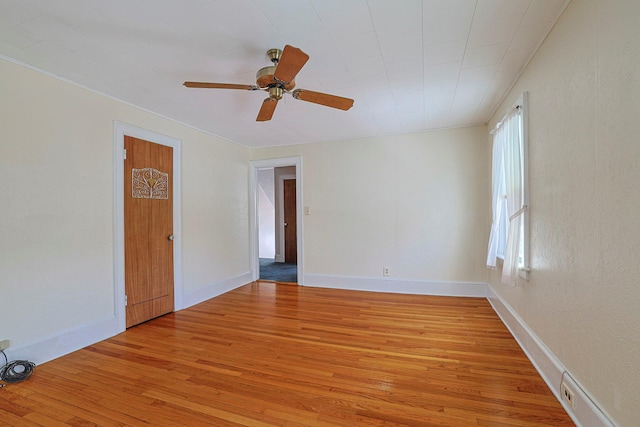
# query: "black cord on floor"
[16,371]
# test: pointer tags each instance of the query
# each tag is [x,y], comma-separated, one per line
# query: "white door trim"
[276,163]
[119,131]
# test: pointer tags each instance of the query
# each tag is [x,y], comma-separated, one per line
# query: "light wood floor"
[270,354]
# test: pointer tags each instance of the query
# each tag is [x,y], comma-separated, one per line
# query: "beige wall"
[57,204]
[417,203]
[583,299]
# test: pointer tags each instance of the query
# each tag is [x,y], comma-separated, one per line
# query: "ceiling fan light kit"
[277,80]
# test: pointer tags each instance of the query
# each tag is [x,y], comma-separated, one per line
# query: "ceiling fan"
[278,79]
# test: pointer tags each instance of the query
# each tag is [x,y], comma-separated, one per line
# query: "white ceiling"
[410,65]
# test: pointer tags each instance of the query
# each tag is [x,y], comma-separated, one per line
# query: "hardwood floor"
[270,354]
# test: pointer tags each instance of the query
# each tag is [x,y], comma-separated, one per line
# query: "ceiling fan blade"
[325,99]
[291,62]
[267,109]
[205,85]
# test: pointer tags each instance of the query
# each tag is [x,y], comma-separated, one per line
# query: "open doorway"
[277,234]
[277,241]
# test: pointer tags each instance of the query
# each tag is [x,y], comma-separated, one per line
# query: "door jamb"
[253,209]
[120,130]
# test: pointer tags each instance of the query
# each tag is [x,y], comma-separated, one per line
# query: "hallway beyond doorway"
[278,271]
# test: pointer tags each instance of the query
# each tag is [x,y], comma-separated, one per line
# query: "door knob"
[170,238]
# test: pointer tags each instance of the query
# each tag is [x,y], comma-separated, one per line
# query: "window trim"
[525,267]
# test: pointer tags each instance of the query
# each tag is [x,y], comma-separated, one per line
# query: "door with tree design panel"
[148,230]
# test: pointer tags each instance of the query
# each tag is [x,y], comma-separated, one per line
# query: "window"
[509,237]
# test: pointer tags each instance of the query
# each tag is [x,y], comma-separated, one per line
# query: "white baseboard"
[586,412]
[417,287]
[65,342]
[211,291]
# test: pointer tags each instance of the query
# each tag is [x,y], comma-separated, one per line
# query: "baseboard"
[417,287]
[211,291]
[68,341]
[65,342]
[586,412]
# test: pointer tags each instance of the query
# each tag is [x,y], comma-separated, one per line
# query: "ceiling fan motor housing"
[265,79]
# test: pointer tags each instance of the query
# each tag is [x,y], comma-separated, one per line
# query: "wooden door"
[148,230]
[290,235]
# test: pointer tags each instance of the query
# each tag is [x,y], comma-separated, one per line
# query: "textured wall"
[57,213]
[215,212]
[583,299]
[417,203]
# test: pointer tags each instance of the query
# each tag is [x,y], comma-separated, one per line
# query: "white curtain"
[497,193]
[507,182]
[513,164]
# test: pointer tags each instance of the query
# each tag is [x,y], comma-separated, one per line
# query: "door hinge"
[125,154]
[126,300]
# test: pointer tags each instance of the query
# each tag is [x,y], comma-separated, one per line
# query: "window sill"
[523,272]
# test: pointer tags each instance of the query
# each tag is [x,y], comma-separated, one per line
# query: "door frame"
[253,211]
[119,131]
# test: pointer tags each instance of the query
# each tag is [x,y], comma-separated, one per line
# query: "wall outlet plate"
[5,344]
[568,395]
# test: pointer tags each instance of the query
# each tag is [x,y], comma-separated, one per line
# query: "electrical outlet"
[568,395]
[5,344]
[385,271]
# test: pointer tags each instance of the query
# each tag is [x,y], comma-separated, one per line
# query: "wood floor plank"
[269,354]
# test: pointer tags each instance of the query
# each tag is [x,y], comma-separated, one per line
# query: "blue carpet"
[278,271]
